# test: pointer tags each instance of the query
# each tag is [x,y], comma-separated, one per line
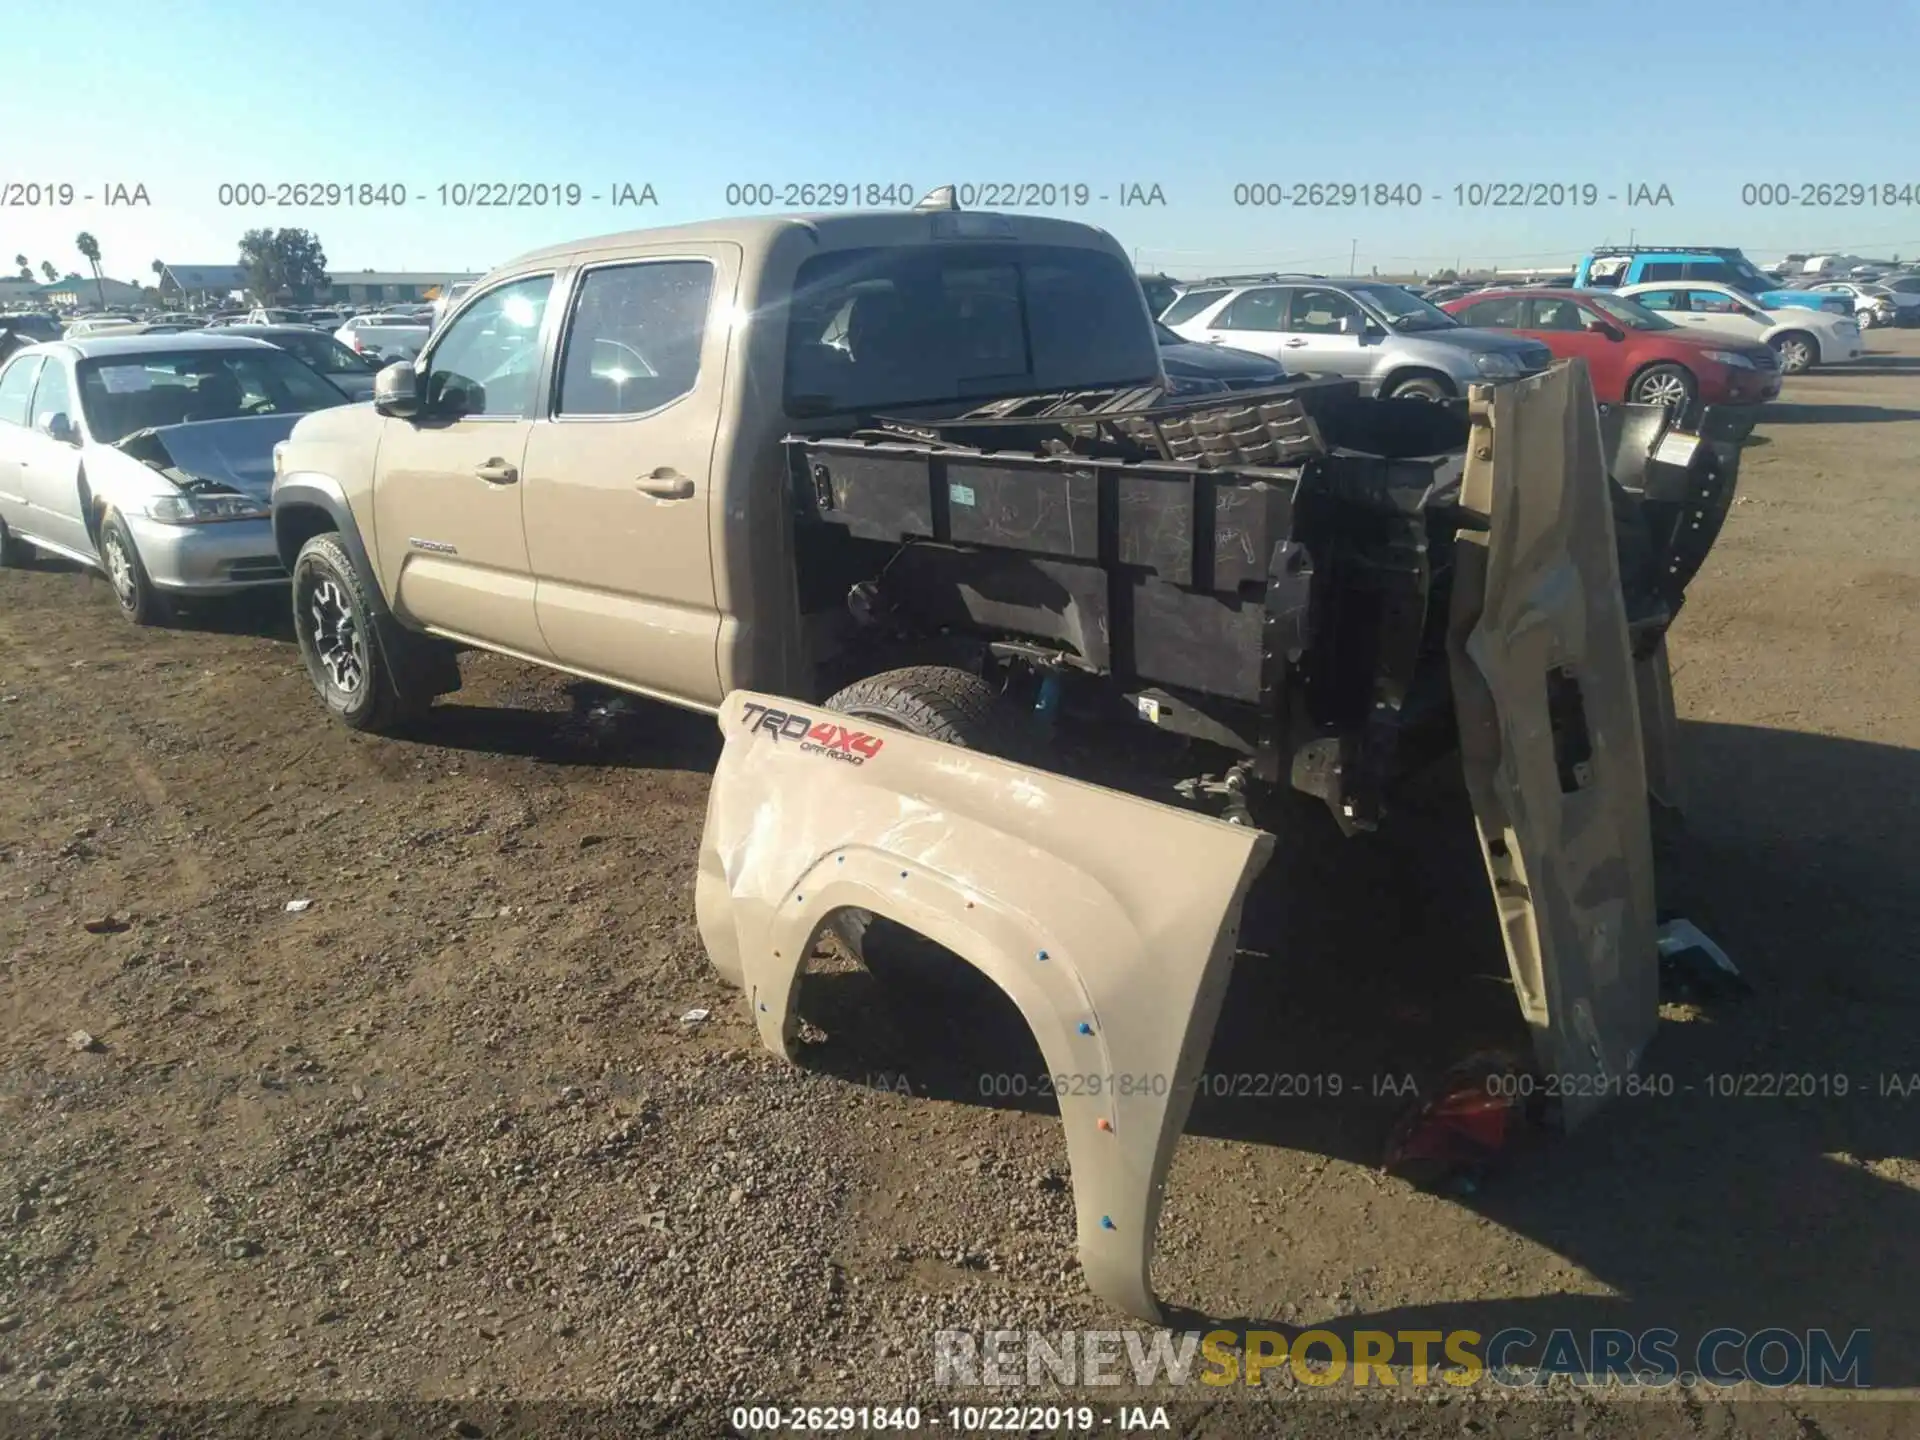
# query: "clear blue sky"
[184,95]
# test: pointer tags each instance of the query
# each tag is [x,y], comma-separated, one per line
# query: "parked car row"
[1684,326]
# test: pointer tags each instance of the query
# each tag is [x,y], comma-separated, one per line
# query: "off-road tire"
[348,645]
[133,589]
[1796,338]
[14,552]
[956,707]
[935,702]
[1421,387]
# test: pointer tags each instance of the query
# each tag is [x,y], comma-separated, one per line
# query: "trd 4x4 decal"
[817,737]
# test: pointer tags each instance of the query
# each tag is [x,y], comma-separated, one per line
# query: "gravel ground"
[441,1133]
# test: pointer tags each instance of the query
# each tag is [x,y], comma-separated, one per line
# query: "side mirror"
[1608,329]
[58,425]
[396,391]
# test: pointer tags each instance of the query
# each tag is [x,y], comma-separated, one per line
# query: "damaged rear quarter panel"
[1550,735]
[1109,921]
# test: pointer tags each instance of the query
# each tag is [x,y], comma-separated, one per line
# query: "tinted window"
[1499,314]
[488,360]
[322,352]
[1319,312]
[1189,305]
[1662,299]
[122,394]
[1555,314]
[935,324]
[634,342]
[1662,270]
[1255,310]
[53,396]
[16,388]
[1718,271]
[1712,302]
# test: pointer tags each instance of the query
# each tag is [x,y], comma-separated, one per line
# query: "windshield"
[1167,337]
[323,353]
[1405,311]
[1906,284]
[122,394]
[939,324]
[1630,313]
[1747,276]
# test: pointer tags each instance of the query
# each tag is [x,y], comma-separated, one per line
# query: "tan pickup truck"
[834,478]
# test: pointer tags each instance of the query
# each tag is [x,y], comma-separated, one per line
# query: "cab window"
[1663,299]
[1320,312]
[1662,270]
[1555,313]
[1255,310]
[488,359]
[1500,314]
[53,396]
[634,341]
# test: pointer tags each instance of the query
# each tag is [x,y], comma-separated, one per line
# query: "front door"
[53,466]
[1326,334]
[1571,331]
[619,489]
[449,533]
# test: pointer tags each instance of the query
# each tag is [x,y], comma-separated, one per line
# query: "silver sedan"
[150,459]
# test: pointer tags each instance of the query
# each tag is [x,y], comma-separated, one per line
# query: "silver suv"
[1372,331]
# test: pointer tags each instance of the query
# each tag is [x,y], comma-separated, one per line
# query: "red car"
[1632,353]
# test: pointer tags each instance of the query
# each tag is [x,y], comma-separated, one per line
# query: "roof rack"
[1257,279]
[1725,252]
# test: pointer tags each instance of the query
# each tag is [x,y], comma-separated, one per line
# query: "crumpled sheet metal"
[1109,921]
[1569,855]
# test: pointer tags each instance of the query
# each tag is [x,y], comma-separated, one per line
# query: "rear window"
[936,324]
[1189,305]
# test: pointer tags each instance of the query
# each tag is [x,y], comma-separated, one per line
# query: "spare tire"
[936,702]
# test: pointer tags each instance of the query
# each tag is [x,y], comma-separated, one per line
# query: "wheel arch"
[1109,922]
[306,504]
[1413,371]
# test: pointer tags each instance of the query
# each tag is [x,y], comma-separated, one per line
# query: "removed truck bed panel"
[1109,921]
[1549,711]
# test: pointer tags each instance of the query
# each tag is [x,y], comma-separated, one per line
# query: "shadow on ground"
[1778,414]
[1753,1193]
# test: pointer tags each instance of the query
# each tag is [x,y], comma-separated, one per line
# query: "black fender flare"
[296,499]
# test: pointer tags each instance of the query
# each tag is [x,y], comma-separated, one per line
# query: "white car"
[1873,304]
[1801,338]
[150,459]
[385,337]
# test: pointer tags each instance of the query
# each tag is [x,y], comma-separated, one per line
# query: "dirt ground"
[443,1133]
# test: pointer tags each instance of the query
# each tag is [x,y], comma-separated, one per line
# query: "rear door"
[620,490]
[450,539]
[1253,320]
[1719,313]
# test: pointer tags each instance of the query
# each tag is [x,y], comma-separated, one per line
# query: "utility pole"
[1353,257]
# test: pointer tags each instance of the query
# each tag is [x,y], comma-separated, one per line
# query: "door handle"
[1295,344]
[497,472]
[665,485]
[1216,339]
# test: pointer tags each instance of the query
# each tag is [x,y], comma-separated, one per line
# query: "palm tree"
[46,269]
[90,249]
[26,270]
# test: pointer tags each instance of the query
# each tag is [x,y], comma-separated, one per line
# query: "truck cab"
[1611,267]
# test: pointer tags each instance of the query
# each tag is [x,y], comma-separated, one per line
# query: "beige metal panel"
[1109,921]
[619,514]
[452,547]
[1539,592]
